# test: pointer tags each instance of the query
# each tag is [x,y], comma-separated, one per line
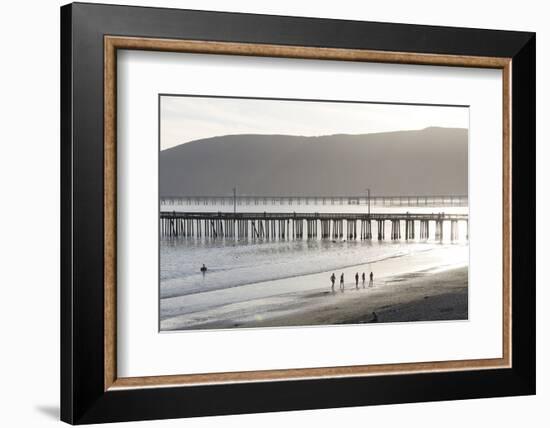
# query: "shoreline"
[429,294]
[297,276]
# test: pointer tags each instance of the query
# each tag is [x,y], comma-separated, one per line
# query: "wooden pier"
[294,225]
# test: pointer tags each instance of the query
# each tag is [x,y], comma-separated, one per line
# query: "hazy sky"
[185,119]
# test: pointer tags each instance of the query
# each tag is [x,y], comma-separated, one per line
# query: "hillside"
[432,161]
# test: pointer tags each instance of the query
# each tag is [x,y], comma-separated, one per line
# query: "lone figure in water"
[333,280]
[357,280]
[342,281]
[371,280]
[374,317]
[363,278]
[204,268]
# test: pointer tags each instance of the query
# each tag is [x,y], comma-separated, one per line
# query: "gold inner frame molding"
[113,43]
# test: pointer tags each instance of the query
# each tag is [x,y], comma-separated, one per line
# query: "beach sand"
[424,295]
[419,296]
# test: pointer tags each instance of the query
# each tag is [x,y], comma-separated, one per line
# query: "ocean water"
[235,263]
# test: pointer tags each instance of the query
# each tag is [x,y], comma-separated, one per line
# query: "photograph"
[289,212]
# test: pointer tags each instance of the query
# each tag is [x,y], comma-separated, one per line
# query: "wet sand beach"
[428,294]
[419,296]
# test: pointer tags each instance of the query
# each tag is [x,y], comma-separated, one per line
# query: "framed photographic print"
[266,213]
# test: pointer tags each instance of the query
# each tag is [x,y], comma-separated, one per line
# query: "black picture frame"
[83,396]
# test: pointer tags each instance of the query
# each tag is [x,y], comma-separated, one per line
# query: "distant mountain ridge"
[431,161]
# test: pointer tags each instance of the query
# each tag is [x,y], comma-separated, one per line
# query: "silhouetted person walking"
[357,280]
[374,317]
[371,280]
[363,278]
[333,280]
[342,281]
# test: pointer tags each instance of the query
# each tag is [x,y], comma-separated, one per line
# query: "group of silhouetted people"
[332,278]
[363,278]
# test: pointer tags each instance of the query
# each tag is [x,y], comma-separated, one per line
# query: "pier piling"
[286,226]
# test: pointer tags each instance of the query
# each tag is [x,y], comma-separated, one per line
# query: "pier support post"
[454,230]
[424,229]
[381,230]
[396,229]
[439,230]
[369,229]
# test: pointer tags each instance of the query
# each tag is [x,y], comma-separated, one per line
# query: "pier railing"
[251,200]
